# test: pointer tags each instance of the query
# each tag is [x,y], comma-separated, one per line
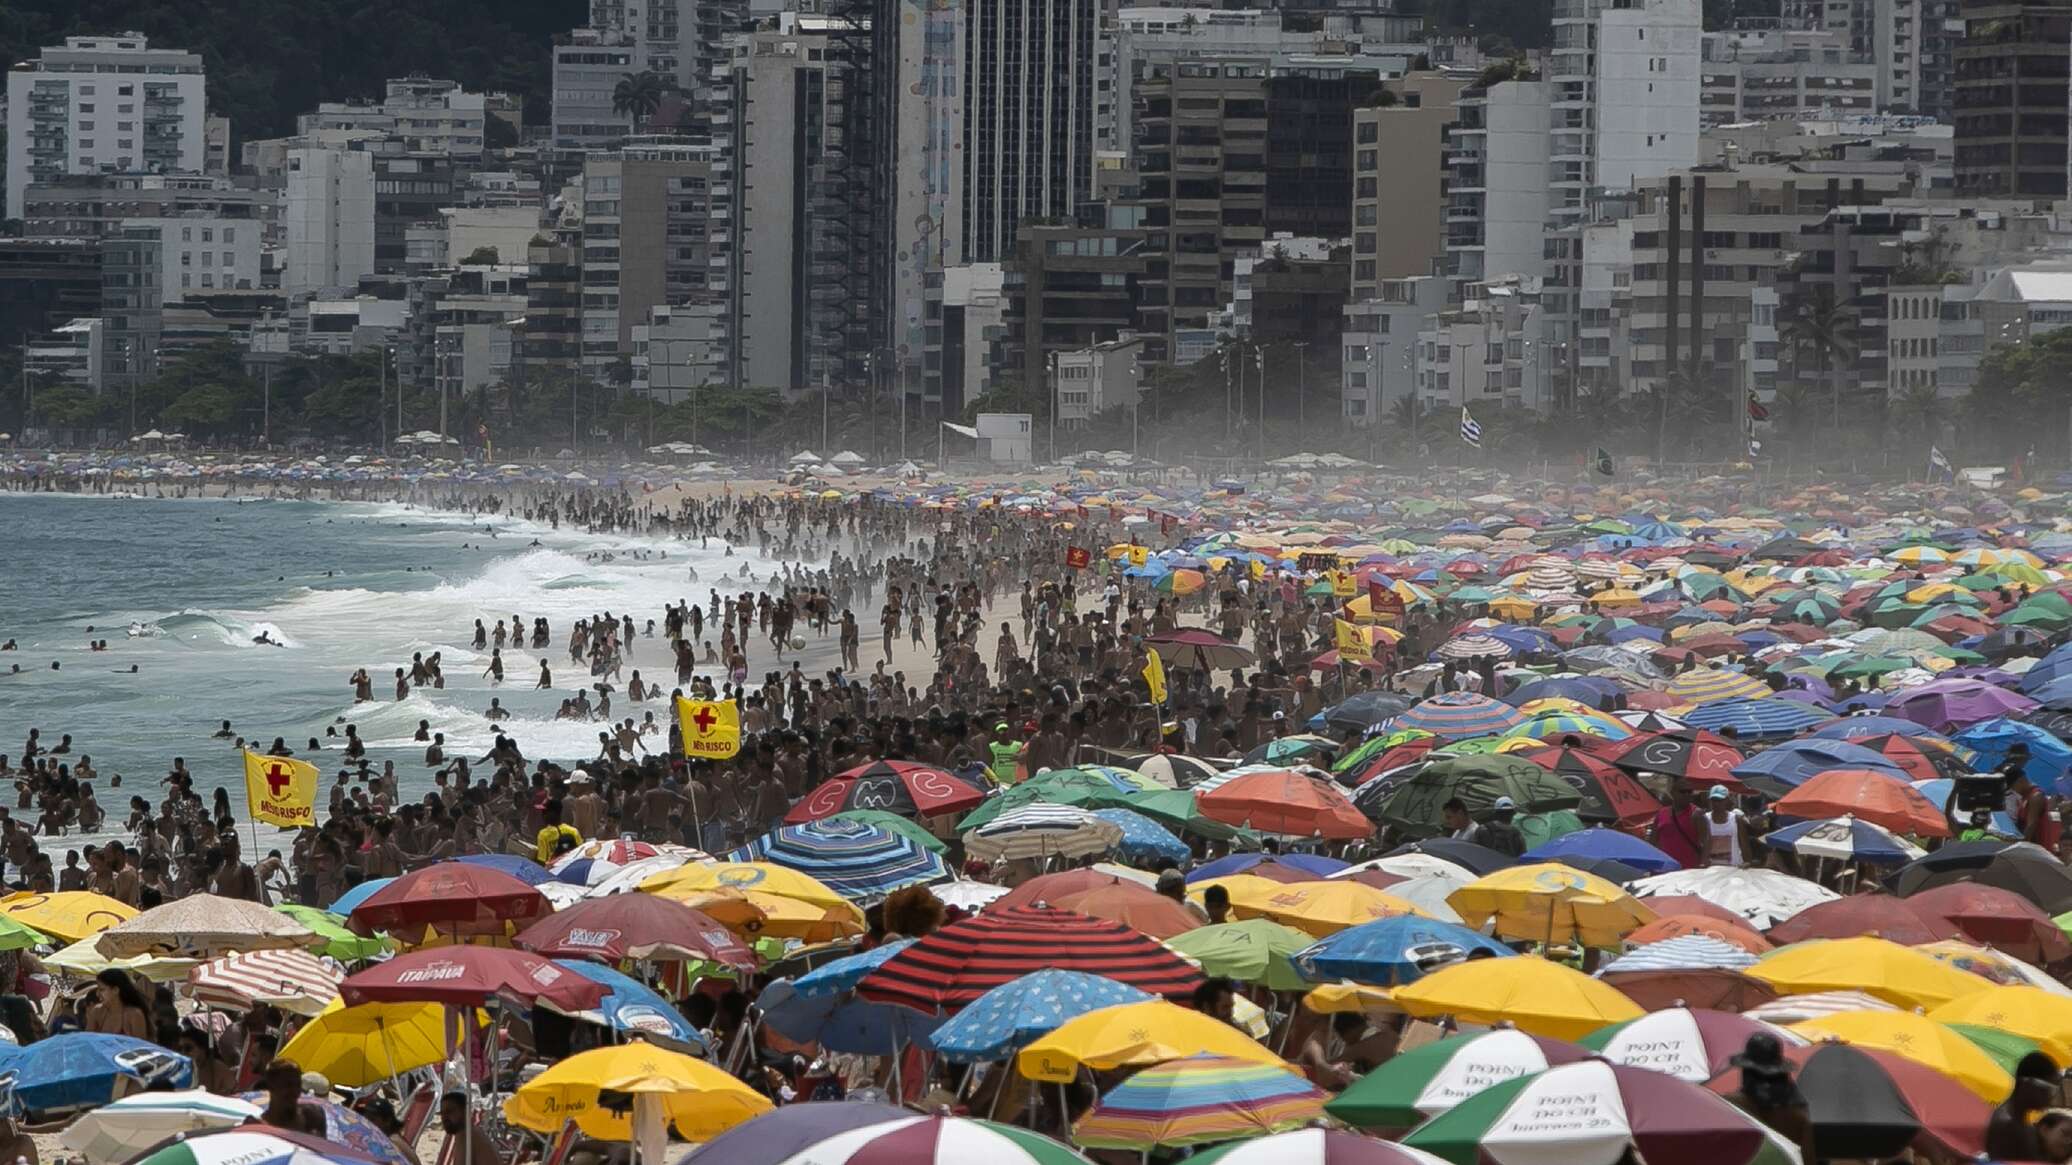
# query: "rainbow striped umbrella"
[860,861]
[1756,718]
[1459,715]
[1197,1101]
[1700,685]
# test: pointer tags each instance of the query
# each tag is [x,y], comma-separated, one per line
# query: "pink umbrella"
[1949,705]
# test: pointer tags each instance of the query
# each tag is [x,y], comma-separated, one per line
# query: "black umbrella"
[2055,721]
[1781,550]
[1476,859]
[1364,710]
[1869,1104]
[2025,869]
[2008,642]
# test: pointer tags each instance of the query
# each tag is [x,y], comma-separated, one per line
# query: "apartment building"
[103,104]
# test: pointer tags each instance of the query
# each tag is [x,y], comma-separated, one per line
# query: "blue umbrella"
[1601,843]
[841,1022]
[1224,867]
[1756,719]
[1144,838]
[358,894]
[1022,1011]
[522,868]
[633,1006]
[79,1069]
[1851,727]
[858,860]
[842,974]
[1939,792]
[1391,951]
[1845,838]
[1590,691]
[2049,757]
[1784,768]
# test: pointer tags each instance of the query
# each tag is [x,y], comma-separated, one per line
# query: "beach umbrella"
[931,1140]
[1990,741]
[1700,685]
[1947,705]
[1700,757]
[1762,897]
[631,1006]
[861,862]
[1199,1100]
[2028,870]
[1285,802]
[348,1130]
[1036,831]
[1595,1113]
[1687,952]
[1318,908]
[1433,854]
[968,896]
[840,1022]
[1411,1086]
[700,1100]
[1415,803]
[1045,889]
[1550,903]
[1886,970]
[1363,710]
[453,897]
[1392,951]
[1880,915]
[1131,1035]
[1601,844]
[1138,907]
[1255,950]
[1460,715]
[1608,795]
[756,877]
[2033,1014]
[905,827]
[951,968]
[755,915]
[1314,1147]
[338,942]
[1144,840]
[1689,1044]
[892,786]
[1301,867]
[1844,839]
[1171,769]
[1920,1039]
[470,975]
[1868,796]
[635,926]
[516,865]
[68,915]
[1531,993]
[1194,647]
[1768,718]
[843,974]
[358,1046]
[292,980]
[1009,1017]
[1305,747]
[86,1069]
[1997,918]
[782,1133]
[1870,1104]
[1733,931]
[116,1132]
[254,1144]
[1715,989]
[1777,771]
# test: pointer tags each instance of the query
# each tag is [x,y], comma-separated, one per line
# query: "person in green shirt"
[1007,753]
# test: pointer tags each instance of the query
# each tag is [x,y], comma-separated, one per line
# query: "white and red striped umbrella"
[292,980]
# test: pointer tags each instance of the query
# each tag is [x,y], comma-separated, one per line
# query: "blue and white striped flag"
[1469,430]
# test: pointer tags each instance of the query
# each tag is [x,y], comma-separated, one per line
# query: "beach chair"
[417,1111]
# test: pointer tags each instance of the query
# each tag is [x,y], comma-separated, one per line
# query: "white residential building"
[1490,350]
[586,71]
[1772,73]
[1913,337]
[1496,188]
[1642,96]
[104,104]
[205,253]
[1095,379]
[1379,361]
[328,217]
[74,353]
[433,116]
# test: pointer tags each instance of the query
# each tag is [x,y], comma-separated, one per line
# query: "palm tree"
[639,95]
[1819,323]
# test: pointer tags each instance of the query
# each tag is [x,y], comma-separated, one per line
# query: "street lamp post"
[1302,387]
[1054,394]
[1136,401]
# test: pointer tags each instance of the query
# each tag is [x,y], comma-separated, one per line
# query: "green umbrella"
[1414,804]
[1541,828]
[1871,665]
[1253,951]
[1177,809]
[18,936]
[2003,1048]
[1078,787]
[906,827]
[339,942]
[1417,1084]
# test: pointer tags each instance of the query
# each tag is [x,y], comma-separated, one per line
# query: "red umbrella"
[1050,889]
[1665,905]
[1881,915]
[1880,798]
[896,786]
[1280,801]
[1922,761]
[454,897]
[635,926]
[1997,918]
[1700,757]
[1715,988]
[1608,794]
[1194,647]
[1870,1103]
[466,976]
[1137,907]
[946,971]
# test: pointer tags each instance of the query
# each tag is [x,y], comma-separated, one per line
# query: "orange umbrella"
[1281,801]
[1869,795]
[1133,906]
[1680,925]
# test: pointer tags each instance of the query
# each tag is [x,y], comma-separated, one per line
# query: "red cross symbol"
[704,720]
[278,777]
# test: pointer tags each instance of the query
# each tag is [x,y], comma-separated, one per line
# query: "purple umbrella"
[1951,704]
[785,1132]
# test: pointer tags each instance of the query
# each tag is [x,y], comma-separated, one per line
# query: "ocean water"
[343,586]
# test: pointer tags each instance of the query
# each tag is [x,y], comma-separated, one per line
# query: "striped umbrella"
[119,1131]
[1021,1011]
[1042,831]
[1689,1044]
[1459,715]
[1787,1009]
[935,1140]
[1474,647]
[950,969]
[1687,952]
[1706,684]
[1314,1147]
[1428,1080]
[293,980]
[1199,1100]
[251,1145]
[860,861]
[1770,717]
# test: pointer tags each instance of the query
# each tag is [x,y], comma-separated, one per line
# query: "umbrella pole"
[388,1050]
[994,1109]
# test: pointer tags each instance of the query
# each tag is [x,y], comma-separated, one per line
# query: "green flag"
[1602,461]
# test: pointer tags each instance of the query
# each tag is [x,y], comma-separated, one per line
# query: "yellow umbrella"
[1930,592]
[1134,1034]
[1919,1039]
[1514,607]
[69,915]
[1320,908]
[1616,597]
[1899,975]
[702,1101]
[756,915]
[1345,995]
[1526,991]
[760,877]
[355,1047]
[2042,1017]
[1551,903]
